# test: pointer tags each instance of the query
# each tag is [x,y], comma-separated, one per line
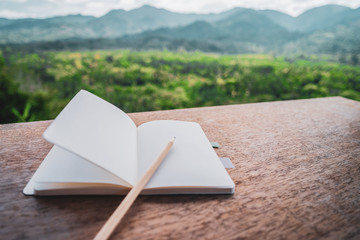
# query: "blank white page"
[61,166]
[98,132]
[191,162]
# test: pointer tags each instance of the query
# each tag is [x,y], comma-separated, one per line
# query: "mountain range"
[326,29]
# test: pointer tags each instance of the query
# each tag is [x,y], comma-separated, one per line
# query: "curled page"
[99,132]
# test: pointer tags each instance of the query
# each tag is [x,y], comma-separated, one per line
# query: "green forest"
[36,86]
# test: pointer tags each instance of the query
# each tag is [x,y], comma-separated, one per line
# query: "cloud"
[47,8]
[12,14]
[292,7]
[131,4]
[20,1]
[94,5]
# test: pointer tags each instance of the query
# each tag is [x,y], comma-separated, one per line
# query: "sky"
[49,8]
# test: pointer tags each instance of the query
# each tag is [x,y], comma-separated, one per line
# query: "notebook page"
[99,132]
[191,162]
[61,166]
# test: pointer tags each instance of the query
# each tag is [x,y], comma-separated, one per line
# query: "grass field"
[38,86]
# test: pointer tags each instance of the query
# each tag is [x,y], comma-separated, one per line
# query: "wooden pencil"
[121,210]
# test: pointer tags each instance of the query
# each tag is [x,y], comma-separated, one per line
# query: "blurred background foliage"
[36,86]
[177,60]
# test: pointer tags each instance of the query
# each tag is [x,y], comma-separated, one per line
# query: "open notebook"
[99,150]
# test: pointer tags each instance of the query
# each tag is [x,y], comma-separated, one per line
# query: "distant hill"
[115,23]
[253,30]
[326,29]
[119,22]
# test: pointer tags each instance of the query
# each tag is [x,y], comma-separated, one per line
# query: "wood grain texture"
[297,176]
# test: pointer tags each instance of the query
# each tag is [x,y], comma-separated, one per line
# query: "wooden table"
[297,176]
